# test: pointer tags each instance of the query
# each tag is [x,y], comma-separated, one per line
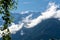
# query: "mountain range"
[45,30]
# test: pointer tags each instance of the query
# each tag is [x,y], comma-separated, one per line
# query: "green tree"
[5,7]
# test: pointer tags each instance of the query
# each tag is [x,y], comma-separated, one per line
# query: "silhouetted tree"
[5,7]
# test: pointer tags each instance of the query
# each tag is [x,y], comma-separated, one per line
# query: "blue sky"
[33,5]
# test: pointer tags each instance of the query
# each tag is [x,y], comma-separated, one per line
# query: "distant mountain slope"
[49,28]
[17,17]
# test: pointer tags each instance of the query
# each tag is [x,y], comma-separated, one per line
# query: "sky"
[33,5]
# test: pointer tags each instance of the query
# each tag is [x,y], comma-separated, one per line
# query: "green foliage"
[5,7]
[6,37]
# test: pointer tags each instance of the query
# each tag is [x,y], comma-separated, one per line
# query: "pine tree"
[5,7]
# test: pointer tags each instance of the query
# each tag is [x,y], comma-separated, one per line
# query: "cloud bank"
[29,23]
[49,13]
[15,27]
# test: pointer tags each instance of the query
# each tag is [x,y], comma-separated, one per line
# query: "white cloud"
[27,19]
[0,33]
[15,27]
[49,13]
[57,15]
